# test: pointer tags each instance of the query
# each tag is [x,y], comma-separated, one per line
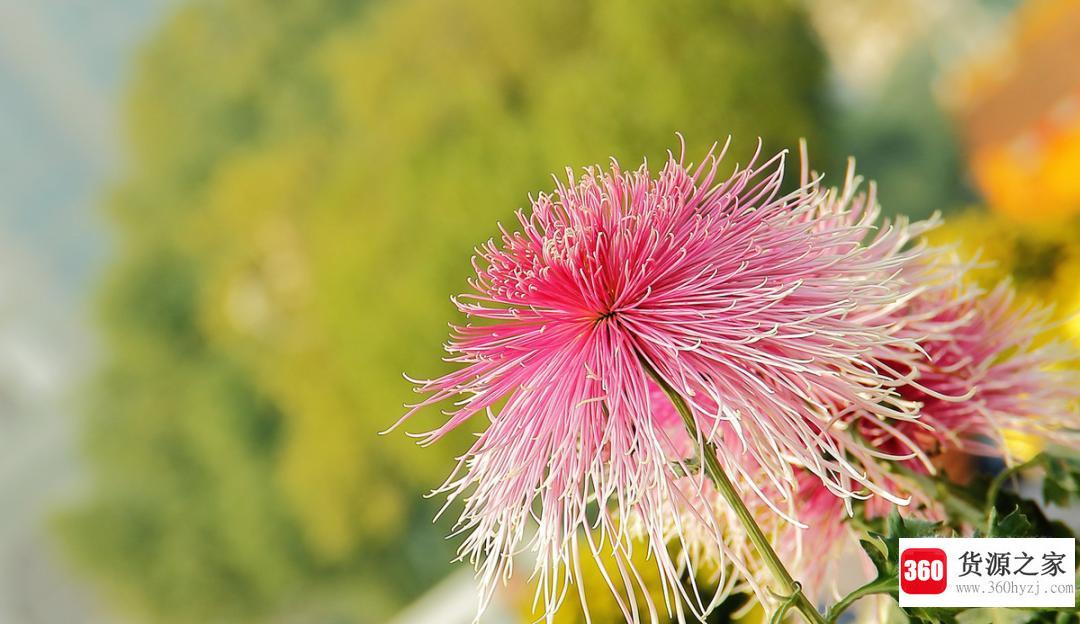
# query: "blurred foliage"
[903,141]
[306,183]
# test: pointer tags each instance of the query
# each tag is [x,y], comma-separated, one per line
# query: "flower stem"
[791,588]
[877,586]
[999,481]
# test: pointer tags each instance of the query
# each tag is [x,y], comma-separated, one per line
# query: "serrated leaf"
[1015,524]
[884,550]
[876,549]
[884,553]
[910,527]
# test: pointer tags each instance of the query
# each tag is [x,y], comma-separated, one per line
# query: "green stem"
[877,586]
[792,589]
[782,609]
[999,481]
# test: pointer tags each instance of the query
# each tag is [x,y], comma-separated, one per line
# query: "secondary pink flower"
[989,369]
[741,298]
[985,372]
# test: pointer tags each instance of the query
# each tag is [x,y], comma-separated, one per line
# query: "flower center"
[610,314]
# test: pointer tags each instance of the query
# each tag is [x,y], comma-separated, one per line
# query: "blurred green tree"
[306,183]
[904,141]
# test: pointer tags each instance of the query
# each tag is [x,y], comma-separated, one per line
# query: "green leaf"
[901,527]
[687,467]
[884,553]
[1054,493]
[1062,481]
[1015,524]
[884,550]
[877,549]
[1005,514]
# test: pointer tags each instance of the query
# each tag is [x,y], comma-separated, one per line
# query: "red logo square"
[923,571]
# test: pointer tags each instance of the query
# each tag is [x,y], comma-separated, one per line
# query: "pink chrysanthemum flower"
[987,371]
[820,545]
[741,298]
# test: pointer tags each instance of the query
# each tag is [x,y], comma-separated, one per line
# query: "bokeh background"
[228,226]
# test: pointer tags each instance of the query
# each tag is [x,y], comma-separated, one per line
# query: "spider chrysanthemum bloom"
[739,297]
[820,547]
[989,368]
